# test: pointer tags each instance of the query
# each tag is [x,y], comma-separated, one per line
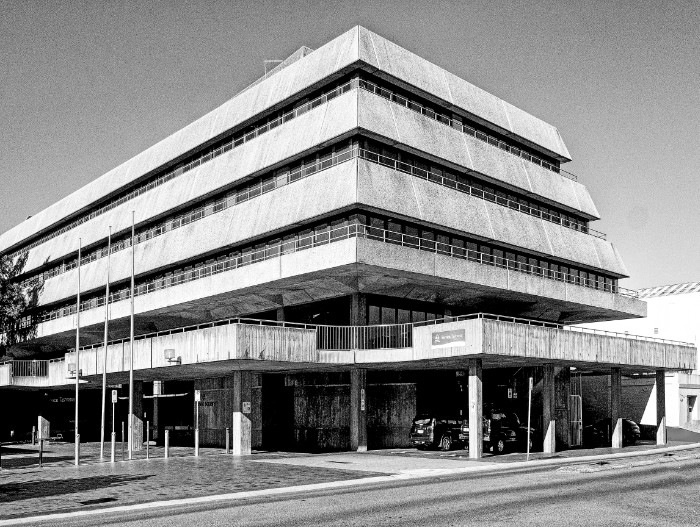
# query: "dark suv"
[431,431]
[501,432]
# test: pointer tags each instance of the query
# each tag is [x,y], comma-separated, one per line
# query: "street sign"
[43,429]
[114,396]
[197,396]
[246,407]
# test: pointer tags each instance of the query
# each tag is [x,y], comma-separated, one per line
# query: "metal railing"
[239,139]
[28,368]
[329,236]
[391,336]
[458,125]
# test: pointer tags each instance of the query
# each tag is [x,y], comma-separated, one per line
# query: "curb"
[236,496]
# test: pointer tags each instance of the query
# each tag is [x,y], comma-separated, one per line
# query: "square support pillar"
[137,429]
[241,426]
[548,410]
[615,407]
[358,410]
[660,407]
[279,314]
[476,410]
[358,309]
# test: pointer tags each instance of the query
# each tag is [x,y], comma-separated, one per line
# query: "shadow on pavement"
[33,461]
[10,492]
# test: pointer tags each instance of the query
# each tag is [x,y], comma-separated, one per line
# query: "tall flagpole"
[77,359]
[131,361]
[104,363]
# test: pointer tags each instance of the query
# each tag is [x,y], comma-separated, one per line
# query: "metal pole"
[167,443]
[196,431]
[104,363]
[529,412]
[122,440]
[77,359]
[148,438]
[131,361]
[114,436]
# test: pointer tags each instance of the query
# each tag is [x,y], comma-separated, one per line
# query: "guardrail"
[28,368]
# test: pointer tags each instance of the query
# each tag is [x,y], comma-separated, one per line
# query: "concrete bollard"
[196,442]
[114,446]
[228,439]
[33,435]
[167,443]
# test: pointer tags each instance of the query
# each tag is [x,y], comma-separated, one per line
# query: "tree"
[17,297]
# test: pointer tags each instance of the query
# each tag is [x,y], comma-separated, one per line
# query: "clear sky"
[84,86]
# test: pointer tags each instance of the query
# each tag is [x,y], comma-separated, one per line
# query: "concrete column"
[280,314]
[358,310]
[615,407]
[548,410]
[242,406]
[137,428]
[156,432]
[562,381]
[358,410]
[660,407]
[476,410]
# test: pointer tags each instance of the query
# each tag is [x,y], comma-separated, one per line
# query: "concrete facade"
[365,203]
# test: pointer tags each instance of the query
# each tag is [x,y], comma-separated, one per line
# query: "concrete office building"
[673,313]
[414,237]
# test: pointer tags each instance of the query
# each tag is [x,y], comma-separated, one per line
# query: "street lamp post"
[77,359]
[130,441]
[104,362]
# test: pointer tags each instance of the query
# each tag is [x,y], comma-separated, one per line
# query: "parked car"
[502,432]
[600,433]
[433,431]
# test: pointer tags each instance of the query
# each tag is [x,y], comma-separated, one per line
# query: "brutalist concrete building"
[357,237]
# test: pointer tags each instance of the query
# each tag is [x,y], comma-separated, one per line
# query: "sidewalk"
[60,487]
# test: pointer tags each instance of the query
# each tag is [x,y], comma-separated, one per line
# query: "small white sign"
[362,400]
[197,396]
[114,396]
[246,407]
[510,393]
[43,429]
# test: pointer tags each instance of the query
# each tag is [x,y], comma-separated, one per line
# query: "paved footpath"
[59,487]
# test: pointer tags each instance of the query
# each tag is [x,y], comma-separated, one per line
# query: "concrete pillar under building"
[358,410]
[548,410]
[615,407]
[280,314]
[139,422]
[242,406]
[562,380]
[476,411]
[358,309]
[660,407]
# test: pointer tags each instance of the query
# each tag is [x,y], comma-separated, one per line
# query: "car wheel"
[446,443]
[499,446]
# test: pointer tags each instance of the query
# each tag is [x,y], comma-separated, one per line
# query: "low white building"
[673,313]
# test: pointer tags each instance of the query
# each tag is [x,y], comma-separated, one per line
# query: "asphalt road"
[608,494]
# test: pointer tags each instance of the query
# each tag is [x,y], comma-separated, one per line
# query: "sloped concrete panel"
[315,195]
[325,61]
[404,126]
[408,196]
[408,67]
[321,124]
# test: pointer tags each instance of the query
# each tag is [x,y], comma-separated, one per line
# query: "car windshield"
[422,420]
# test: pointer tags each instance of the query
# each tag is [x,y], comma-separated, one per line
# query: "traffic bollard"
[148,439]
[196,442]
[228,439]
[77,449]
[114,445]
[167,443]
[122,440]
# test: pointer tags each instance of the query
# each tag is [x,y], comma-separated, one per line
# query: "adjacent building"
[411,242]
